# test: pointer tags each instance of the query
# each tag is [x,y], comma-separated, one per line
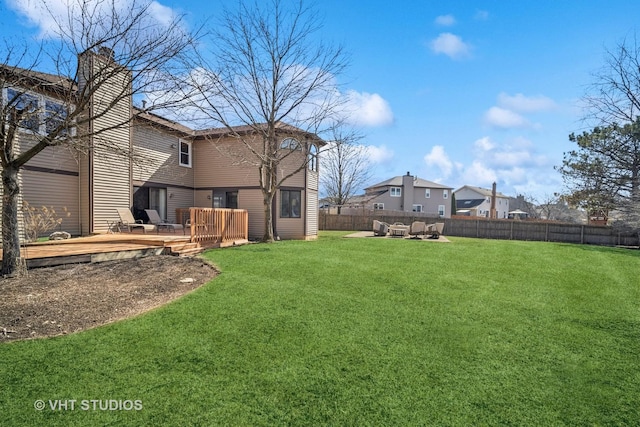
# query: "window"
[313,158]
[445,194]
[54,115]
[441,211]
[427,193]
[43,115]
[185,153]
[290,144]
[28,102]
[378,206]
[417,208]
[290,203]
[396,191]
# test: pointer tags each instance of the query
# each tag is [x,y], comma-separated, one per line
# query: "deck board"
[101,247]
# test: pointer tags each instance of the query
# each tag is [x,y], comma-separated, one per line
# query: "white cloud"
[368,109]
[439,158]
[446,20]
[450,45]
[503,118]
[526,104]
[484,144]
[378,154]
[49,16]
[479,174]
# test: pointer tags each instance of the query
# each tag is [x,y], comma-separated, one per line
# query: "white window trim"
[190,153]
[395,190]
[413,208]
[427,193]
[445,194]
[441,211]
[378,206]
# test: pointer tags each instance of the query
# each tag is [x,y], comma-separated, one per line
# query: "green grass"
[361,332]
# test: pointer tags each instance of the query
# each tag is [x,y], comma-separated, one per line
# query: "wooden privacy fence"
[494,229]
[211,226]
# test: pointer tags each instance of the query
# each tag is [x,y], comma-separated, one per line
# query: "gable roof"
[482,191]
[396,181]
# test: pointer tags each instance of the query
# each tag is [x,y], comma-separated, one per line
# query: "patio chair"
[435,230]
[154,218]
[380,228]
[127,220]
[418,229]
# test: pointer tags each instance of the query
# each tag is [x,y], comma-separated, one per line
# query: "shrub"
[38,221]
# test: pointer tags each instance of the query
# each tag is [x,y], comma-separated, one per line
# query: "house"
[409,194]
[171,167]
[479,202]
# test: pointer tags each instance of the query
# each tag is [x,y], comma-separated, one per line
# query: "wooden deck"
[106,247]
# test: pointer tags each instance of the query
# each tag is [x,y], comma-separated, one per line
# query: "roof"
[35,80]
[396,181]
[247,129]
[486,192]
[468,203]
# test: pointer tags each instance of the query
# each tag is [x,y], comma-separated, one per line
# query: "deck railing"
[211,226]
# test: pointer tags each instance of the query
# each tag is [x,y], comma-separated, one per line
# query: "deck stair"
[183,248]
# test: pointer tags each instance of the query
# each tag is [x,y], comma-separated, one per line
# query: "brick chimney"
[494,213]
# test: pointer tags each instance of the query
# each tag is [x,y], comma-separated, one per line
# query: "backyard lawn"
[359,332]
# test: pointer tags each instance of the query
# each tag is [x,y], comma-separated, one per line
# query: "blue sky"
[458,92]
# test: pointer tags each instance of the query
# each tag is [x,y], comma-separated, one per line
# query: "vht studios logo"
[88,405]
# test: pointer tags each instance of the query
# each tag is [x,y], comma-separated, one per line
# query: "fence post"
[582,234]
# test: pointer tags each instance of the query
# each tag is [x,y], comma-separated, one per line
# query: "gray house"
[477,201]
[409,194]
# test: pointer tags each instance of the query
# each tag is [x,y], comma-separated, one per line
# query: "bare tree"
[345,166]
[271,74]
[94,48]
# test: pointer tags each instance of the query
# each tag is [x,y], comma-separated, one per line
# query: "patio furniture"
[418,229]
[435,230]
[127,220]
[398,229]
[154,218]
[380,228]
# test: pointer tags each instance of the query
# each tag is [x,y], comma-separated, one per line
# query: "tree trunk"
[268,218]
[10,229]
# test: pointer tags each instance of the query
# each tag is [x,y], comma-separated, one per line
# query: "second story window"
[290,144]
[445,194]
[427,193]
[41,115]
[185,153]
[396,192]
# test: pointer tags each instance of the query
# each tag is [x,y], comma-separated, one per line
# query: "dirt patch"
[65,299]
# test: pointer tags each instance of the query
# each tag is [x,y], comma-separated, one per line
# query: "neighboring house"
[409,194]
[476,201]
[172,167]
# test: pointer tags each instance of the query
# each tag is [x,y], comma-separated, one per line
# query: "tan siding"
[203,199]
[313,180]
[311,211]
[111,172]
[223,164]
[57,191]
[157,158]
[251,200]
[178,198]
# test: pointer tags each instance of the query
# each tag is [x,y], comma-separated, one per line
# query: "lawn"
[359,332]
